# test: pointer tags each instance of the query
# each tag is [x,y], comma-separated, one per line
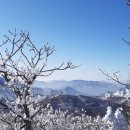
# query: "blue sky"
[88,32]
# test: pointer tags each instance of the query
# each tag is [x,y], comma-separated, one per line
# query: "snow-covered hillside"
[122,92]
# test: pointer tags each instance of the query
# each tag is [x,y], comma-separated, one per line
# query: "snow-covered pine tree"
[120,120]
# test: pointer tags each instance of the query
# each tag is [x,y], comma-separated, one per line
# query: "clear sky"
[88,32]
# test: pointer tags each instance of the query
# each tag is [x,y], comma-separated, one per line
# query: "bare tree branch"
[113,78]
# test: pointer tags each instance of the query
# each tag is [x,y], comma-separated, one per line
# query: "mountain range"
[75,87]
[77,95]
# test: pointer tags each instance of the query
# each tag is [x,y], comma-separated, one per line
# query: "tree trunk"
[28,125]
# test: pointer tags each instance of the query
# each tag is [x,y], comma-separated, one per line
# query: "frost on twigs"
[49,119]
[115,77]
[21,62]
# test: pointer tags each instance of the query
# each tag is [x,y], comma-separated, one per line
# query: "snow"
[122,93]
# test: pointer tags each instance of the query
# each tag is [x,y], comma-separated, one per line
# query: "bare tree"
[116,77]
[20,65]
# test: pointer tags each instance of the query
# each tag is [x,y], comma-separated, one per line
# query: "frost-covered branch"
[21,62]
[114,77]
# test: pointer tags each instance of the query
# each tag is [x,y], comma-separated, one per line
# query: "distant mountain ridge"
[76,87]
